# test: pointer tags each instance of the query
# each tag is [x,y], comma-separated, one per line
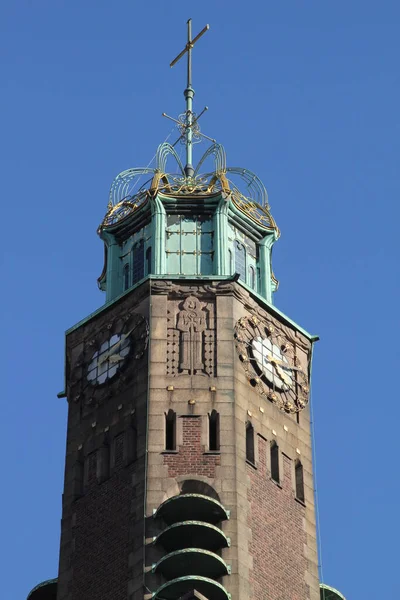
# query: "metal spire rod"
[189,94]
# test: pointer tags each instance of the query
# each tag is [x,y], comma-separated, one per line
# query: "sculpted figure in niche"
[192,324]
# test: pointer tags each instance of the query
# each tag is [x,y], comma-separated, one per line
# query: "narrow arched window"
[252,277]
[77,481]
[126,276]
[250,443]
[103,462]
[137,262]
[170,430]
[91,469]
[148,260]
[119,450]
[213,431]
[131,440]
[299,479]
[275,462]
[240,260]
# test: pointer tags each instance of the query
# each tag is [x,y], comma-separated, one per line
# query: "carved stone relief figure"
[190,349]
[191,323]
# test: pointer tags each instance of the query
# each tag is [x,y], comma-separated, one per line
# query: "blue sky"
[307,95]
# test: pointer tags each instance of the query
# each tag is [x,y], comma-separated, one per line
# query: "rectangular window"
[91,469]
[299,478]
[126,277]
[170,430]
[119,450]
[250,456]
[189,244]
[213,431]
[275,462]
[137,262]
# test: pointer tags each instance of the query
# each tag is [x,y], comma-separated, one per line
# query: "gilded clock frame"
[290,401]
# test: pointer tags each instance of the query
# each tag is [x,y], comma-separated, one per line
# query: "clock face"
[270,361]
[115,347]
[109,358]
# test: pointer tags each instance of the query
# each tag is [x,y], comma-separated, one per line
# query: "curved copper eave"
[202,535]
[193,561]
[176,509]
[46,589]
[329,593]
[179,586]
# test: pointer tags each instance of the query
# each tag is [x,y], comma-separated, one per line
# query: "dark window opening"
[137,262]
[91,468]
[119,450]
[77,479]
[170,430]
[275,462]
[250,456]
[126,277]
[299,478]
[148,260]
[213,431]
[131,441]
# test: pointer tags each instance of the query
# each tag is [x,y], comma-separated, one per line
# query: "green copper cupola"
[187,221]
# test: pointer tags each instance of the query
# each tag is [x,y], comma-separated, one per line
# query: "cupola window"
[240,260]
[126,277]
[148,260]
[189,244]
[137,262]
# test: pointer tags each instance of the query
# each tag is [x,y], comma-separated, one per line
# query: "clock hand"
[284,376]
[114,348]
[115,358]
[283,364]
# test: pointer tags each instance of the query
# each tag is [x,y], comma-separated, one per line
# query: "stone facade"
[191,367]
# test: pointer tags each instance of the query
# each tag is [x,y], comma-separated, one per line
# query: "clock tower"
[188,468]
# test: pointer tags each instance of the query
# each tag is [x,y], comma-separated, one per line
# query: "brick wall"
[191,459]
[101,539]
[277,534]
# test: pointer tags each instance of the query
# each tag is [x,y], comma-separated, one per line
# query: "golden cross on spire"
[188,48]
[190,119]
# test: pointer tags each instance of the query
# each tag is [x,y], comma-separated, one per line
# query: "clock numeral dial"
[105,362]
[271,364]
[120,347]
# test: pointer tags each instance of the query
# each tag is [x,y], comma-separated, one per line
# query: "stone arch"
[197,486]
[188,484]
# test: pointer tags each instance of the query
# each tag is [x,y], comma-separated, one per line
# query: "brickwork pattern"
[278,536]
[191,458]
[102,540]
